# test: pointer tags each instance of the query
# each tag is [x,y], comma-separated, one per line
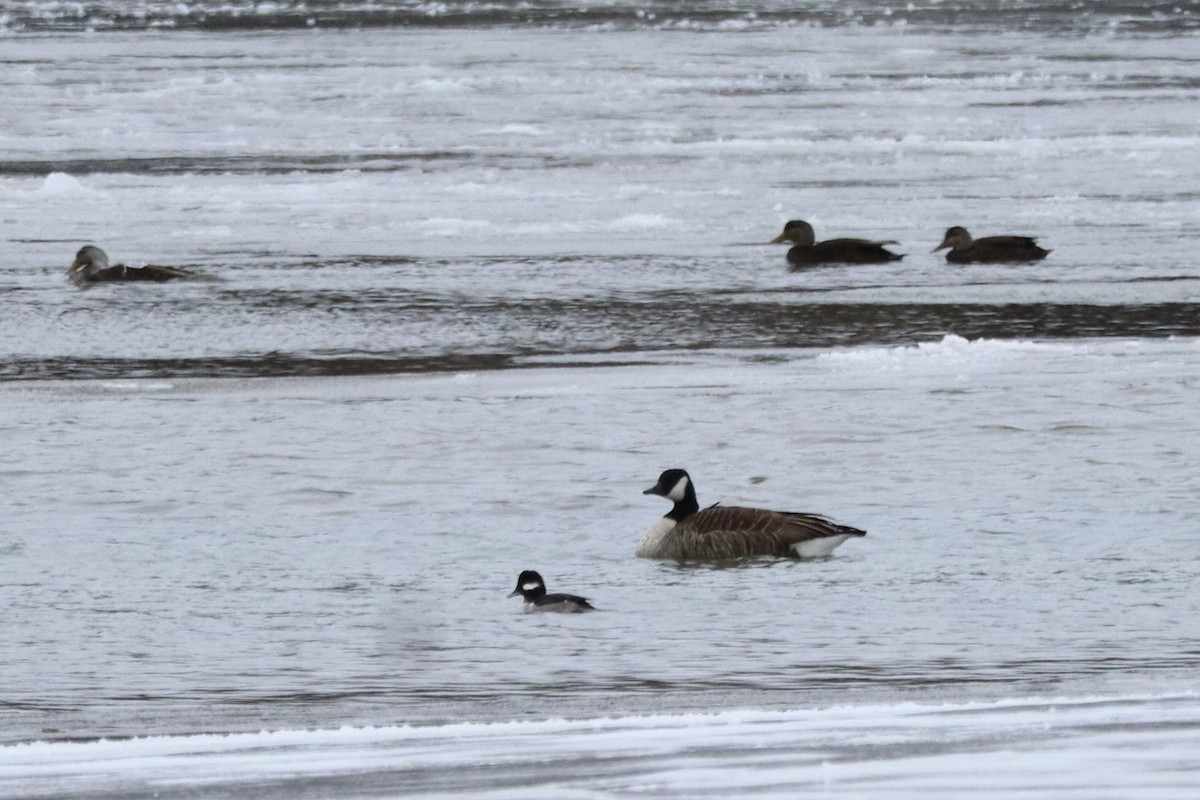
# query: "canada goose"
[531,586]
[725,532]
[809,252]
[91,266]
[989,249]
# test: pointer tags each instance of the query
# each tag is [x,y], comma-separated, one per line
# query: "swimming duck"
[91,266]
[989,249]
[531,586]
[809,252]
[726,532]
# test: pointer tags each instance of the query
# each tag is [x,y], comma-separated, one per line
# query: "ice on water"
[1038,747]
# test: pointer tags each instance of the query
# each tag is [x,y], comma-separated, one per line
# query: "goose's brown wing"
[813,526]
[728,532]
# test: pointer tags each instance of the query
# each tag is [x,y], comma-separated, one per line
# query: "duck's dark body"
[808,252]
[721,533]
[841,251]
[123,273]
[989,249]
[91,266]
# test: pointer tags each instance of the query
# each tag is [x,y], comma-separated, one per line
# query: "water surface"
[474,274]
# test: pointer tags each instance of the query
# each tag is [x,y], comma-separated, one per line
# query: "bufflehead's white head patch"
[529,585]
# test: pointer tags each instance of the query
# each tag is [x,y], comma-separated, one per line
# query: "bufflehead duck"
[809,252]
[531,587]
[726,532]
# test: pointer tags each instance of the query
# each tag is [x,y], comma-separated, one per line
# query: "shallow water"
[472,280]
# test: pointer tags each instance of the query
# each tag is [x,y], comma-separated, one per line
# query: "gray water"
[474,280]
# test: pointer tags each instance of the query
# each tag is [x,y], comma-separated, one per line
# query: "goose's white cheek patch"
[678,491]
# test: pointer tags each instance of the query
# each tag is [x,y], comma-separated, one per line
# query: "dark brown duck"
[91,266]
[809,252]
[989,249]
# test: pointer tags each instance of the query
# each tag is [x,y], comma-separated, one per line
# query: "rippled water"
[475,273]
[225,554]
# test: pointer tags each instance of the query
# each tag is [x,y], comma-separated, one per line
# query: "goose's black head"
[676,486]
[530,586]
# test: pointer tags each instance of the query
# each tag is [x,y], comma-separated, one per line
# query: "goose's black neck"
[686,507]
